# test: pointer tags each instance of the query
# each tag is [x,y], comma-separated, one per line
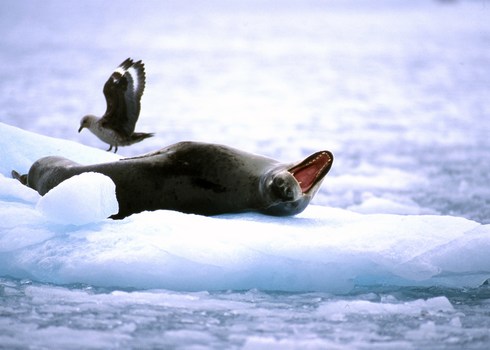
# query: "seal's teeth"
[317,158]
[314,160]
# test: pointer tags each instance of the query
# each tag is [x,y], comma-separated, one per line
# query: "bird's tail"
[140,136]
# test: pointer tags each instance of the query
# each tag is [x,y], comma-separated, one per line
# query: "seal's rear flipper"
[22,178]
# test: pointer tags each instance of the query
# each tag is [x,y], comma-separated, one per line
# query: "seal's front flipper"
[22,178]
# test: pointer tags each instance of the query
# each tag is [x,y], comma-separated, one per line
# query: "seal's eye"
[278,181]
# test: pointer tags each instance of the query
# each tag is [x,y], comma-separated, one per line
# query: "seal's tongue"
[312,170]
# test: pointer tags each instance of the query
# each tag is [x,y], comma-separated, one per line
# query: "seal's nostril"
[289,193]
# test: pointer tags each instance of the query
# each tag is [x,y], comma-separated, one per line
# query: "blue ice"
[64,237]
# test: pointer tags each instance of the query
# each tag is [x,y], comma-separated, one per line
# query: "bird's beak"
[80,129]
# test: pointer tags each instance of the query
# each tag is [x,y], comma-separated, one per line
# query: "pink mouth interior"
[312,169]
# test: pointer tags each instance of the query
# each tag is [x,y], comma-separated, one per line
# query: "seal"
[123,93]
[198,178]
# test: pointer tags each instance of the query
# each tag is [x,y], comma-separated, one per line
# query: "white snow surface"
[323,249]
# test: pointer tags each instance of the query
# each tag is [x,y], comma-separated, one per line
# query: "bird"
[122,91]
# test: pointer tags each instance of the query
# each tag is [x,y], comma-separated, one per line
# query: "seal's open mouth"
[312,170]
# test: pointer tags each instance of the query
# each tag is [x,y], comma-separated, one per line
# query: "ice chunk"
[82,199]
[321,249]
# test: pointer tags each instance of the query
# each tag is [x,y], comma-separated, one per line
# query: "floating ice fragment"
[337,310]
[373,205]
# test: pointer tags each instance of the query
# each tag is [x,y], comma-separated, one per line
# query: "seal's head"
[48,172]
[291,189]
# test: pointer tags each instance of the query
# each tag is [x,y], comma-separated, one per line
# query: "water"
[398,92]
[53,316]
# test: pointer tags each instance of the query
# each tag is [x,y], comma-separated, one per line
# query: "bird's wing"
[135,91]
[123,100]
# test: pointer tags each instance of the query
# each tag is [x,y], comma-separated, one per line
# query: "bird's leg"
[115,149]
[108,150]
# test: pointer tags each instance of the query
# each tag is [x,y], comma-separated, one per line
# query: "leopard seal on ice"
[196,177]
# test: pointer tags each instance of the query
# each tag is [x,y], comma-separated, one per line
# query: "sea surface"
[397,90]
